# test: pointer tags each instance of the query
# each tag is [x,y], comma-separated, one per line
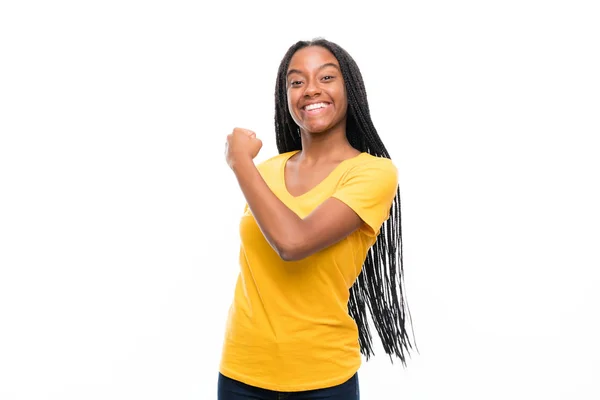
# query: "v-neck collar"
[318,185]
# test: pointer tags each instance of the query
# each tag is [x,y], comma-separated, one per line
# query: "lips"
[315,108]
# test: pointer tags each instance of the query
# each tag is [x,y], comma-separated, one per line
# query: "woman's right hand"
[241,144]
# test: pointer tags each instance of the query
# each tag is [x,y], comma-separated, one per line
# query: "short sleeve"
[369,189]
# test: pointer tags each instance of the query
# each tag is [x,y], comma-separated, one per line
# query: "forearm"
[280,225]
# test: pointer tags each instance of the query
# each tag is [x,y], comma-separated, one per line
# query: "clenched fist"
[241,144]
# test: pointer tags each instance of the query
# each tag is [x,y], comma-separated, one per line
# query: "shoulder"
[274,162]
[382,162]
[369,186]
[375,168]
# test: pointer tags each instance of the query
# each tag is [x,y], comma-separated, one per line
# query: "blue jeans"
[230,389]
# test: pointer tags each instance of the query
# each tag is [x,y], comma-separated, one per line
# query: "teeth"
[315,106]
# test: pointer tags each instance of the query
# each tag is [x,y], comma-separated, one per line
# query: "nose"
[312,88]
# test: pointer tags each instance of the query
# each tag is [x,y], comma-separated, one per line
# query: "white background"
[118,222]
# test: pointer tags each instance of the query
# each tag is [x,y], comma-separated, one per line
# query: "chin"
[317,129]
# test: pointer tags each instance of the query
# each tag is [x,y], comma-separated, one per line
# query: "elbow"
[287,257]
[290,251]
[292,245]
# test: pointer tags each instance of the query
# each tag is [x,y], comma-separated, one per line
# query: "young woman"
[320,239]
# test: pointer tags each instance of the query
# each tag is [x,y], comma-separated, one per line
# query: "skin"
[313,76]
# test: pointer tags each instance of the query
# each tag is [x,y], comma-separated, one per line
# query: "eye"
[295,83]
[328,77]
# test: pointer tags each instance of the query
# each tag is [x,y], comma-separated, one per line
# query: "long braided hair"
[380,285]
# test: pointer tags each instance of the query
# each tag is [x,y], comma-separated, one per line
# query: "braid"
[287,132]
[380,285]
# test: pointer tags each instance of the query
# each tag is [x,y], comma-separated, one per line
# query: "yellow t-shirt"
[288,327]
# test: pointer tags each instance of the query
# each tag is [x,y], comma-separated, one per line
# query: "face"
[316,95]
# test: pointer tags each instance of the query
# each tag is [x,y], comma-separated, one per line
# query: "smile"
[316,107]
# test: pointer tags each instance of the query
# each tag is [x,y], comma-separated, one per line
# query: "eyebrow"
[297,71]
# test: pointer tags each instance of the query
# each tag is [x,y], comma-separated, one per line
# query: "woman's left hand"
[241,144]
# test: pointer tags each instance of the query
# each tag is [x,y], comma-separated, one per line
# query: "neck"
[326,146]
